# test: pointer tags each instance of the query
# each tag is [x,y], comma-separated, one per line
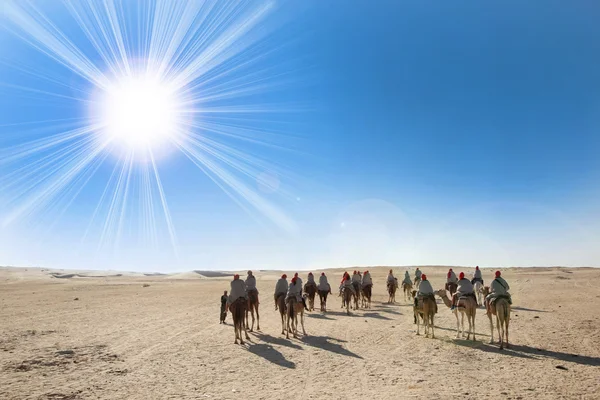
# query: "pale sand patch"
[121,340]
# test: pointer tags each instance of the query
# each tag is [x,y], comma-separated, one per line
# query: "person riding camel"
[356,281]
[281,288]
[407,278]
[238,289]
[323,284]
[450,278]
[477,276]
[367,280]
[425,290]
[465,288]
[251,285]
[301,292]
[348,284]
[310,281]
[390,279]
[418,273]
[498,287]
[295,290]
[346,274]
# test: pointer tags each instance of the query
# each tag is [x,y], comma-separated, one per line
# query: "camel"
[407,288]
[293,309]
[366,292]
[238,309]
[252,307]
[478,288]
[501,309]
[466,306]
[281,306]
[323,297]
[426,313]
[392,292]
[347,299]
[356,294]
[311,291]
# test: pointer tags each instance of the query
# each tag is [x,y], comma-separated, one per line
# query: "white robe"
[348,286]
[390,278]
[497,288]
[418,273]
[477,274]
[323,284]
[425,288]
[452,278]
[367,279]
[356,278]
[311,279]
[251,283]
[295,290]
[281,286]
[238,289]
[465,286]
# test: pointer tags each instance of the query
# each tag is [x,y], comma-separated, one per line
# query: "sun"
[139,112]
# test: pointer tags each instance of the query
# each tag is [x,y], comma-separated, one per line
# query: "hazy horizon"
[302,136]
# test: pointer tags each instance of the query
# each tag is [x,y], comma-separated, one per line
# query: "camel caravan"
[460,295]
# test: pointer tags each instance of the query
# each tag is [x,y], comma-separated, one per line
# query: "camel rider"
[390,278]
[310,281]
[356,280]
[451,278]
[348,284]
[477,276]
[465,288]
[346,274]
[498,287]
[251,285]
[295,290]
[407,280]
[238,289]
[299,281]
[223,308]
[323,284]
[281,288]
[418,273]
[425,290]
[366,280]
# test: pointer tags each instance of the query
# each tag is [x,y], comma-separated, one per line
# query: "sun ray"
[209,56]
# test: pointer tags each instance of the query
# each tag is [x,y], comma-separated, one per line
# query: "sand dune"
[121,340]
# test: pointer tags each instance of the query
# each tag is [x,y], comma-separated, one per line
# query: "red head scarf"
[423,277]
[236,277]
[294,279]
[284,276]
[461,275]
[477,267]
[449,275]
[497,274]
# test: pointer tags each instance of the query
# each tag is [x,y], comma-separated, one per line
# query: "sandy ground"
[90,336]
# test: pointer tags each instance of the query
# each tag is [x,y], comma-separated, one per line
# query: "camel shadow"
[327,343]
[275,340]
[320,316]
[523,351]
[387,310]
[376,315]
[343,313]
[271,354]
[527,309]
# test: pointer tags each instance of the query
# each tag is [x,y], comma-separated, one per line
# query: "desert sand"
[110,335]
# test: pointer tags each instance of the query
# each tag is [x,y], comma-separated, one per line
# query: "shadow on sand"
[327,343]
[280,341]
[526,309]
[376,315]
[523,351]
[319,316]
[271,354]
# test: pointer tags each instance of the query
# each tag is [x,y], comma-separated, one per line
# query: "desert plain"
[116,335]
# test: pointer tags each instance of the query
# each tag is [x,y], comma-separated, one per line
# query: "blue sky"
[421,133]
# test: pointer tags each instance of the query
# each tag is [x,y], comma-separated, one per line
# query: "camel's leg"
[507,320]
[418,323]
[432,326]
[457,324]
[491,328]
[257,318]
[469,321]
[302,322]
[498,322]
[287,319]
[474,313]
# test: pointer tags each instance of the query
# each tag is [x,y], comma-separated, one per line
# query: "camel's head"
[414,293]
[441,293]
[485,290]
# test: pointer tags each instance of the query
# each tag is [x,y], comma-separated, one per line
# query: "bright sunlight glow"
[139,112]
